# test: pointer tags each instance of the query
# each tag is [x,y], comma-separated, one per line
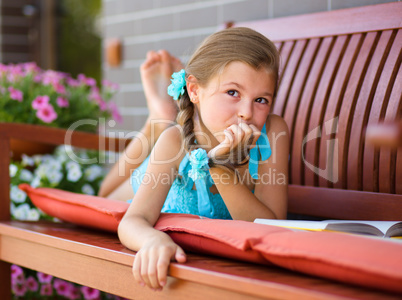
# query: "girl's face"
[240,94]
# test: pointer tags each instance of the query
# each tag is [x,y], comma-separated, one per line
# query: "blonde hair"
[239,44]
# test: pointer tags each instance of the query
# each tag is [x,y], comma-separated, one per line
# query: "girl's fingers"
[256,135]
[152,271]
[180,255]
[224,146]
[248,133]
[162,269]
[137,270]
[144,271]
[238,134]
[139,265]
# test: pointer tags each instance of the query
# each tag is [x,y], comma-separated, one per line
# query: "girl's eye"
[262,100]
[233,93]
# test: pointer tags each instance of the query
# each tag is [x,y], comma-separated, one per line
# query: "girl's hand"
[152,261]
[236,136]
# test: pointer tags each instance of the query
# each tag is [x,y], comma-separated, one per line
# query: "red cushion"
[86,210]
[365,261]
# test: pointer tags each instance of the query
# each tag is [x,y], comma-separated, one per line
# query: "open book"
[376,228]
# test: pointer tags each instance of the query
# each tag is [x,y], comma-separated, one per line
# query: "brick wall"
[178,26]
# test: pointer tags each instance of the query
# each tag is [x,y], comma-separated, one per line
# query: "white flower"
[65,150]
[74,174]
[48,167]
[35,182]
[17,195]
[33,215]
[84,155]
[27,161]
[53,165]
[26,175]
[47,158]
[21,212]
[55,176]
[41,171]
[62,154]
[37,159]
[12,208]
[72,165]
[13,170]
[87,189]
[93,172]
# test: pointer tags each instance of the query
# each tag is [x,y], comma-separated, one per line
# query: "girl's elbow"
[121,231]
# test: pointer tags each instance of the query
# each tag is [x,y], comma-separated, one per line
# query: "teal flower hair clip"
[199,164]
[176,88]
[199,170]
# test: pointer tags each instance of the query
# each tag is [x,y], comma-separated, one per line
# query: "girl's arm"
[136,232]
[270,194]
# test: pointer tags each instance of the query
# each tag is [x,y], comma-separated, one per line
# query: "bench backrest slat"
[336,77]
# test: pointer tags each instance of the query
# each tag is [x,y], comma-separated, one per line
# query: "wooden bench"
[340,73]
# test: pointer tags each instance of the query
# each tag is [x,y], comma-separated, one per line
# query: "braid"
[185,119]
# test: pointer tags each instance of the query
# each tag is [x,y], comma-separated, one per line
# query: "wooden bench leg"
[5,279]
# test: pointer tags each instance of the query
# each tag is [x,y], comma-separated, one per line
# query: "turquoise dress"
[183,197]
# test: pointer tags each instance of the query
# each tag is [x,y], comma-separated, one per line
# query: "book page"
[383,226]
[378,228]
[297,224]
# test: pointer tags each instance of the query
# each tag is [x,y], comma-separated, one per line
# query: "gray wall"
[178,26]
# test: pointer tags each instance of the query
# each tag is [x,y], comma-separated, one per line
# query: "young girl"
[204,165]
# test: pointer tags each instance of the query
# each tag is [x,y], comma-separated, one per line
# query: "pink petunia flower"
[59,88]
[86,80]
[14,72]
[40,102]
[72,82]
[30,67]
[19,289]
[62,287]
[115,112]
[47,114]
[73,292]
[62,102]
[52,77]
[111,85]
[90,293]
[46,290]
[15,94]
[31,284]
[96,96]
[17,274]
[44,278]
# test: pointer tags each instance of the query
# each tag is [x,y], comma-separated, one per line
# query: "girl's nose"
[245,111]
